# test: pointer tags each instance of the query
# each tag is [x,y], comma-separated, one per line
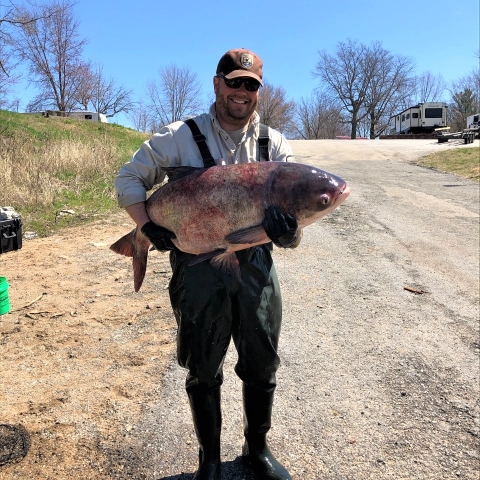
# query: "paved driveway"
[380,345]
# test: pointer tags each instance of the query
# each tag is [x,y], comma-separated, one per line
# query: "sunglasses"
[251,85]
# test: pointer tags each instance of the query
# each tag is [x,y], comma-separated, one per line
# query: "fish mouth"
[341,184]
[342,194]
[345,190]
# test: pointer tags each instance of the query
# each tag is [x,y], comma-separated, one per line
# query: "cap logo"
[246,60]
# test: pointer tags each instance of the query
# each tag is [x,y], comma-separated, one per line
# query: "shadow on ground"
[233,470]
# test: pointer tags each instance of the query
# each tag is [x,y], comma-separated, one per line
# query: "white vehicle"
[422,118]
[473,121]
[84,115]
[81,115]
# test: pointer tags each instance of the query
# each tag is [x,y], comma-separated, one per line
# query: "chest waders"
[211,308]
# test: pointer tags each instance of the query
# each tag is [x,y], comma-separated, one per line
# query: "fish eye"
[324,199]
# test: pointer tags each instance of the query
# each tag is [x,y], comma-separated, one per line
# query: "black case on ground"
[10,235]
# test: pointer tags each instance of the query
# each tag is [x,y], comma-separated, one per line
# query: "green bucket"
[4,300]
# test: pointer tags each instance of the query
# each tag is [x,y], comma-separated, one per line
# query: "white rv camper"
[422,118]
[81,115]
[84,115]
[473,121]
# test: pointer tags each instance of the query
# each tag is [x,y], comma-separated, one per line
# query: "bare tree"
[465,97]
[464,103]
[429,88]
[390,77]
[52,48]
[173,96]
[274,109]
[474,79]
[85,86]
[141,118]
[102,93]
[472,82]
[346,74]
[12,17]
[369,81]
[7,77]
[318,117]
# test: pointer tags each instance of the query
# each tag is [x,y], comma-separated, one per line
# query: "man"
[210,306]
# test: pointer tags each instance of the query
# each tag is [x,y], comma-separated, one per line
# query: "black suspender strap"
[208,160]
[263,143]
[200,140]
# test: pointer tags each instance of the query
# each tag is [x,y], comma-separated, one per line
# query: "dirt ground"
[74,313]
[82,354]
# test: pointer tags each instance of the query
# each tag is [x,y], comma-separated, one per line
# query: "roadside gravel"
[377,381]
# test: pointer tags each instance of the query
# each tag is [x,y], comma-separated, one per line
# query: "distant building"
[81,115]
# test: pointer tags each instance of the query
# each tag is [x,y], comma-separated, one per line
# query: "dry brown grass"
[48,165]
[34,175]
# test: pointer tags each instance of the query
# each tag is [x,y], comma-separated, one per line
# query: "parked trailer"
[468,135]
[80,115]
[473,121]
[422,118]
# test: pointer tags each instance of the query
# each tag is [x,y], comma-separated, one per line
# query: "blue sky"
[132,40]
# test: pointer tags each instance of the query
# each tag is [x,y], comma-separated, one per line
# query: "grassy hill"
[49,166]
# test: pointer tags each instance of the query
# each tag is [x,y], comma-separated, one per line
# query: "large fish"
[216,211]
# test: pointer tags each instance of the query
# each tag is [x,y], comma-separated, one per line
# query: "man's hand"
[280,228]
[160,237]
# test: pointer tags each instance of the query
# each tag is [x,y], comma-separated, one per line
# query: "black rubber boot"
[207,419]
[257,407]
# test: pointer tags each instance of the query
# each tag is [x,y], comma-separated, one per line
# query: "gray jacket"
[174,146]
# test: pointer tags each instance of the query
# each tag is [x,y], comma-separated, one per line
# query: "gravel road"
[377,381]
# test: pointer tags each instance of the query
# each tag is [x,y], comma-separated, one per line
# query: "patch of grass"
[461,161]
[49,165]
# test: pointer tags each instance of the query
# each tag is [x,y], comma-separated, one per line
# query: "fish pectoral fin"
[202,257]
[249,235]
[228,263]
[174,173]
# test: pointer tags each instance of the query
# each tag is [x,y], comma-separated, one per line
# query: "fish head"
[329,191]
[307,192]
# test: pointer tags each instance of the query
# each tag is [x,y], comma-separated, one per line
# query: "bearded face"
[234,106]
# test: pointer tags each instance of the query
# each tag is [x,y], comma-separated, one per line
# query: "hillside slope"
[54,165]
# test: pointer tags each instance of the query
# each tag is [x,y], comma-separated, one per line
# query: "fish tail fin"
[126,245]
[139,267]
[131,245]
